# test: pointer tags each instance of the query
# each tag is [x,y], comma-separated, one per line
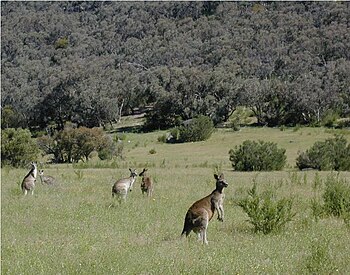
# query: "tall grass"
[70,228]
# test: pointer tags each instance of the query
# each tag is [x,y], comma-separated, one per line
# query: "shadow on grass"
[127,129]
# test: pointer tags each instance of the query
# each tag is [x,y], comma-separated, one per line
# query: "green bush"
[162,138]
[106,149]
[72,145]
[330,118]
[152,151]
[334,201]
[120,136]
[17,147]
[265,213]
[10,118]
[61,43]
[319,260]
[336,196]
[317,209]
[257,156]
[196,129]
[331,154]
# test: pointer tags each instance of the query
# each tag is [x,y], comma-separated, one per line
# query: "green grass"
[70,229]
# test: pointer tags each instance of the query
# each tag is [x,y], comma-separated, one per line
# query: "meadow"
[76,227]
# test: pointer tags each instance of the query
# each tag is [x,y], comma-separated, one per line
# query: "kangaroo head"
[220,181]
[41,172]
[32,165]
[133,173]
[143,172]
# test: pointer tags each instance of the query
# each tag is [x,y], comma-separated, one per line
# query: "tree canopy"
[91,62]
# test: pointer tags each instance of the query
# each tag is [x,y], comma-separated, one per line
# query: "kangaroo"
[122,186]
[28,183]
[146,183]
[46,179]
[202,211]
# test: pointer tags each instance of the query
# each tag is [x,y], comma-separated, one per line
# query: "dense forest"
[91,62]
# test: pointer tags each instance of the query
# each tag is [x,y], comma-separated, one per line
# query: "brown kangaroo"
[202,211]
[146,183]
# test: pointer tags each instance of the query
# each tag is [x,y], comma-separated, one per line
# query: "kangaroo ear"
[222,176]
[130,170]
[216,176]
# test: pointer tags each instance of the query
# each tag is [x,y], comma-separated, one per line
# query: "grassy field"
[70,228]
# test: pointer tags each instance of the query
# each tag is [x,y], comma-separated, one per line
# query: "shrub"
[331,154]
[336,196]
[196,129]
[265,213]
[162,138]
[319,260]
[335,199]
[165,114]
[257,156]
[120,136]
[235,125]
[61,43]
[330,118]
[152,151]
[10,118]
[106,148]
[72,145]
[17,147]
[241,116]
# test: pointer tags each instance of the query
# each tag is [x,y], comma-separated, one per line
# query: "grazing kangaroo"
[202,211]
[46,179]
[146,183]
[122,186]
[28,183]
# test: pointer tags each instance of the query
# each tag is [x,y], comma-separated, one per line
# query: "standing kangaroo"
[146,183]
[202,211]
[122,186]
[28,183]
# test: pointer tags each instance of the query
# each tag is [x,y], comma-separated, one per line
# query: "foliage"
[74,144]
[330,118]
[241,116]
[10,118]
[165,114]
[319,261]
[62,43]
[196,129]
[331,154]
[107,149]
[17,147]
[336,196]
[266,213]
[152,151]
[335,199]
[162,138]
[257,156]
[92,62]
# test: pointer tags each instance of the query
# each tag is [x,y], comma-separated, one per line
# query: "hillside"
[91,62]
